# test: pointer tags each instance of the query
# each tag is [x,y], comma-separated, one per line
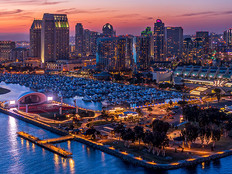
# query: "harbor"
[107,93]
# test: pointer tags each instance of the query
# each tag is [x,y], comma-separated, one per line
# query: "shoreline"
[4,91]
[122,155]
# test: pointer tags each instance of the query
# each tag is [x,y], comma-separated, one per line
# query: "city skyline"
[129,18]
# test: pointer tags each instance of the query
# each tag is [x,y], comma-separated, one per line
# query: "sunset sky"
[127,16]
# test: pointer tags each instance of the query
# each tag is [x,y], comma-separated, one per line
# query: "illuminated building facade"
[204,36]
[145,49]
[159,41]
[228,37]
[108,30]
[19,54]
[114,53]
[54,37]
[5,50]
[79,39]
[35,38]
[174,41]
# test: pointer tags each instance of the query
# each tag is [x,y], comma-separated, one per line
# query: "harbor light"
[12,102]
[50,98]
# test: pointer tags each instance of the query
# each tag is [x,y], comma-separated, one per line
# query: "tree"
[147,139]
[216,135]
[139,133]
[139,111]
[128,135]
[191,113]
[91,131]
[182,103]
[160,126]
[104,115]
[218,93]
[149,109]
[119,129]
[190,133]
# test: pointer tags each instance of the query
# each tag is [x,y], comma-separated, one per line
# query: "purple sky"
[127,16]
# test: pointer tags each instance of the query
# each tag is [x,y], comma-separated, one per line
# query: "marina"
[108,93]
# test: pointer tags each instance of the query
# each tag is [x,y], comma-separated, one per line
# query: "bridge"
[57,140]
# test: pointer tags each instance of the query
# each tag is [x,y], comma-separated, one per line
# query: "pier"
[57,140]
[46,145]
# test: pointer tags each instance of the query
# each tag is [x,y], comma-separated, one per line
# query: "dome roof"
[108,26]
[159,21]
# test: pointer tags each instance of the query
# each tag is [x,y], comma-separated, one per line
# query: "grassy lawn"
[98,123]
[4,91]
[141,151]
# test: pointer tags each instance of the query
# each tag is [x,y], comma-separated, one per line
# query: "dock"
[46,145]
[57,140]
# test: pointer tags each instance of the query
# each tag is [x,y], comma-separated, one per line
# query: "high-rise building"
[93,42]
[79,39]
[87,42]
[35,38]
[159,41]
[204,36]
[228,37]
[5,50]
[114,53]
[54,37]
[19,54]
[108,30]
[174,41]
[144,49]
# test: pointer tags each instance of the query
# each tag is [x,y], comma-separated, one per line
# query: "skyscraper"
[87,42]
[159,41]
[79,37]
[228,37]
[35,39]
[114,53]
[54,37]
[204,36]
[5,50]
[108,30]
[145,49]
[174,41]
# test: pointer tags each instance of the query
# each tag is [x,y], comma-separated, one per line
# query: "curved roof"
[31,93]
[109,26]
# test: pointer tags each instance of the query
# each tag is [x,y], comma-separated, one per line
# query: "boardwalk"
[45,145]
[57,140]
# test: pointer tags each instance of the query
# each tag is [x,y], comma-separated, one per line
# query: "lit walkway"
[57,140]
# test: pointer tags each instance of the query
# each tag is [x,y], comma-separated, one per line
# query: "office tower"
[86,42]
[174,41]
[144,49]
[93,42]
[159,41]
[79,39]
[108,30]
[54,37]
[187,49]
[35,38]
[5,50]
[204,36]
[19,54]
[228,37]
[113,53]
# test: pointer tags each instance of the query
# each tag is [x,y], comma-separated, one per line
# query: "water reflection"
[72,165]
